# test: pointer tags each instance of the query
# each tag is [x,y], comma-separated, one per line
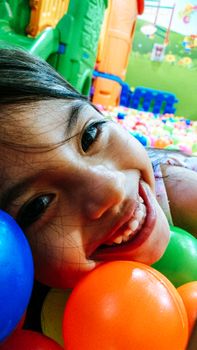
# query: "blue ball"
[16,274]
[141,138]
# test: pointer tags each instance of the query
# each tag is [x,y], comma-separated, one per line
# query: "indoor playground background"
[129,45]
[137,60]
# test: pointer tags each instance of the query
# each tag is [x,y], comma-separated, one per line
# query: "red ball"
[29,340]
[125,305]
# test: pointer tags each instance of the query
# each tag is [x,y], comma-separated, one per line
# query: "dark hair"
[24,78]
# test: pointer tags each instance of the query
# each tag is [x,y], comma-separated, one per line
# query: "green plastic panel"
[79,35]
[71,47]
[16,13]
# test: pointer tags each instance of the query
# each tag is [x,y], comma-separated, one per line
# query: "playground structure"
[64,33]
[114,49]
[109,88]
[84,40]
[146,99]
[44,15]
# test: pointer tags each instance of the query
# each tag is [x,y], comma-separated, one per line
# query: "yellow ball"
[52,314]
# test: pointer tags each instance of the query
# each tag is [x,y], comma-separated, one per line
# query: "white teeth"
[133,225]
[139,214]
[142,208]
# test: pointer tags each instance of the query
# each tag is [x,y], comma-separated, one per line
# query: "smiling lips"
[132,226]
[132,233]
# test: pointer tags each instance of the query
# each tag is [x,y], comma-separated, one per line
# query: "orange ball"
[188,293]
[161,143]
[125,305]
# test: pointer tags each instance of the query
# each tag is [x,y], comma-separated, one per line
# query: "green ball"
[179,262]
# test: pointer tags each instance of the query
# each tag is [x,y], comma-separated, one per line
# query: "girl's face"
[80,202]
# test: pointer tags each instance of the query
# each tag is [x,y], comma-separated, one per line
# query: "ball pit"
[155,130]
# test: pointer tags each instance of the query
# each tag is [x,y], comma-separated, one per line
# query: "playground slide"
[114,48]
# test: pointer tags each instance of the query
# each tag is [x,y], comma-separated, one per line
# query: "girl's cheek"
[60,265]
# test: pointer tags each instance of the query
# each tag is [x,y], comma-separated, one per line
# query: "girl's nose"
[104,190]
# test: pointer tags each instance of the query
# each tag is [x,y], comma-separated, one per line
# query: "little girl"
[82,188]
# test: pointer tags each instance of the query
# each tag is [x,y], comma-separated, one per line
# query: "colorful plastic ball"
[141,138]
[52,314]
[16,274]
[125,305]
[29,340]
[188,293]
[179,262]
[161,143]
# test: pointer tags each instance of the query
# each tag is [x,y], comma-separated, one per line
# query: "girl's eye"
[34,209]
[91,133]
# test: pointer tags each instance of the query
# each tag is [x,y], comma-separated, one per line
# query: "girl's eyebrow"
[14,191]
[74,114]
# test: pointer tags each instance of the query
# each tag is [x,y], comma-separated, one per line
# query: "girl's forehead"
[43,122]
[30,141]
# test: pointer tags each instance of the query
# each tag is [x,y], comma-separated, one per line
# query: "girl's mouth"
[132,234]
[128,231]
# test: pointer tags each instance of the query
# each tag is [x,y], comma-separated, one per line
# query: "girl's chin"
[153,249]
[75,275]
